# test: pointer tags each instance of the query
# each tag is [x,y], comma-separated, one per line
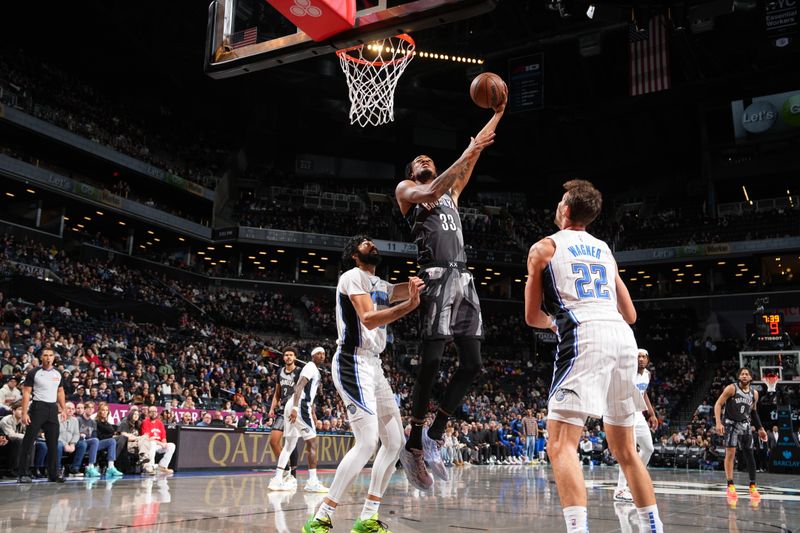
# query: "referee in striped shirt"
[46,387]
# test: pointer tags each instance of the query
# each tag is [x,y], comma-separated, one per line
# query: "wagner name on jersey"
[353,337]
[437,231]
[579,284]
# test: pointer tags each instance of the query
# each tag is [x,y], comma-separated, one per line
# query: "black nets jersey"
[738,406]
[287,381]
[437,231]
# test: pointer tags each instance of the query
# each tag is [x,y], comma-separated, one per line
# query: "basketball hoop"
[372,72]
[772,382]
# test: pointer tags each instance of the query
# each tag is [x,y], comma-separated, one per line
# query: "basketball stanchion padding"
[319,19]
[372,72]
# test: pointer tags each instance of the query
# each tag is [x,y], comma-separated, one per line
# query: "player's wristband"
[295,409]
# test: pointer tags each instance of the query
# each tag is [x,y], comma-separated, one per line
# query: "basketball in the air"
[488,90]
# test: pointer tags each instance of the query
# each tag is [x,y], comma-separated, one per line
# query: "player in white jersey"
[573,278]
[641,428]
[301,424]
[362,314]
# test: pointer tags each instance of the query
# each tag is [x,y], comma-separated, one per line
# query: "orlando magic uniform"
[356,366]
[449,306]
[737,419]
[641,430]
[303,426]
[595,368]
[286,381]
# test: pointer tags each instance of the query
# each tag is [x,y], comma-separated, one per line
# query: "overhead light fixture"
[88,219]
[121,223]
[100,213]
[228,246]
[34,192]
[181,239]
[151,232]
[10,194]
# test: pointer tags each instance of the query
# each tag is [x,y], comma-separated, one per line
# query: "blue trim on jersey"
[554,287]
[348,377]
[564,353]
[380,298]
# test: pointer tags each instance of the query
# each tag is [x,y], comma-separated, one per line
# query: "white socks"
[649,519]
[111,464]
[325,511]
[370,509]
[312,475]
[576,519]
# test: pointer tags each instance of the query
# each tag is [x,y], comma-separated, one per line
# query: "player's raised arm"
[539,256]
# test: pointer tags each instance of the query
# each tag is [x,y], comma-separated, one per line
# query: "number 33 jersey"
[579,284]
[436,229]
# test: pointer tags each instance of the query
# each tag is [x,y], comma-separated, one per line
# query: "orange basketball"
[488,90]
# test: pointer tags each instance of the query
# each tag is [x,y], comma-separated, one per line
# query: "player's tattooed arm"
[484,138]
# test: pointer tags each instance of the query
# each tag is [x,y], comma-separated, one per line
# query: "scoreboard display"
[769,324]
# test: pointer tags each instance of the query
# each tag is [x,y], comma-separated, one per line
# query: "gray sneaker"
[432,452]
[414,467]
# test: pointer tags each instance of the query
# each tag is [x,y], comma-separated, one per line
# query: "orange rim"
[343,53]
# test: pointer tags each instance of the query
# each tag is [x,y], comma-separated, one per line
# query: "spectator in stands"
[247,420]
[13,429]
[157,433]
[110,440]
[9,393]
[186,419]
[205,421]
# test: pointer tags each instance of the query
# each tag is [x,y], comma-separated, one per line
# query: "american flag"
[649,65]
[244,38]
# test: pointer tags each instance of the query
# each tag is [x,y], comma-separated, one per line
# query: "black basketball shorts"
[449,305]
[738,435]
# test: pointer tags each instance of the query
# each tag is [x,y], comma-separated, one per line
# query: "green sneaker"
[92,472]
[313,525]
[370,525]
[113,472]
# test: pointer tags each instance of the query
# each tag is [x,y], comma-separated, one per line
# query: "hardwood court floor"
[480,498]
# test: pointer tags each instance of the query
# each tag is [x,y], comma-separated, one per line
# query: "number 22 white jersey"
[579,284]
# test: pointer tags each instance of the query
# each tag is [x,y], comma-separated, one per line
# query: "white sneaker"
[315,486]
[291,480]
[281,484]
[623,495]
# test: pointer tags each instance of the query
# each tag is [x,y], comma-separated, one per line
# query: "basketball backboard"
[248,35]
[783,363]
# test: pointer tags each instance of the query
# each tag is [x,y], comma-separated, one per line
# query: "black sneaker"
[25,479]
[59,479]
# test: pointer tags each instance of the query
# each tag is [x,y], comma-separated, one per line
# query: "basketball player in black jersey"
[284,388]
[739,401]
[449,304]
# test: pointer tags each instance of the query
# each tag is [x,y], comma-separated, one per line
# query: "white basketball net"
[372,72]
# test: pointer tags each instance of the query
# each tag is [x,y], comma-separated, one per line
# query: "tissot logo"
[301,8]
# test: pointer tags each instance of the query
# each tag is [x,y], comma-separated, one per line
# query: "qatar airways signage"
[769,114]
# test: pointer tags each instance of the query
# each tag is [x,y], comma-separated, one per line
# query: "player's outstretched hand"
[483,139]
[415,286]
[762,435]
[501,107]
